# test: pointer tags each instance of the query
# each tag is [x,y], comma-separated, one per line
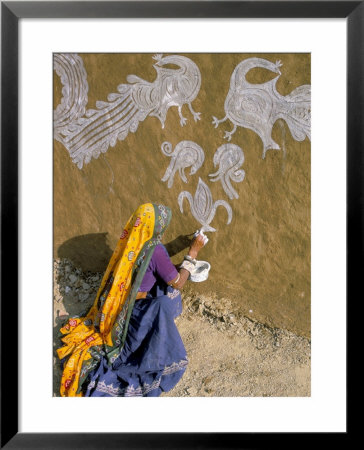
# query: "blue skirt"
[153,358]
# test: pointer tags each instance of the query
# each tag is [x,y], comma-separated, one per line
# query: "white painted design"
[186,154]
[229,158]
[88,136]
[175,293]
[258,106]
[106,388]
[140,390]
[69,67]
[203,208]
[175,367]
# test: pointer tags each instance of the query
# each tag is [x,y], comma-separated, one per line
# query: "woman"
[128,343]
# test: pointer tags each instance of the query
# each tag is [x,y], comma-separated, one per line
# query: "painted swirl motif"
[229,158]
[186,154]
[203,208]
[69,67]
[259,106]
[87,136]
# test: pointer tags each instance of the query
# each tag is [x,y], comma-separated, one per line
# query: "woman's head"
[149,221]
[163,216]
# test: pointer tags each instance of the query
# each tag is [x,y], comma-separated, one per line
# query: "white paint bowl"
[200,272]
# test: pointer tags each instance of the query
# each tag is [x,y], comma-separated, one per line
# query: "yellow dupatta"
[103,330]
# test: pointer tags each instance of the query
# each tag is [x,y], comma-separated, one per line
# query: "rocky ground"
[229,354]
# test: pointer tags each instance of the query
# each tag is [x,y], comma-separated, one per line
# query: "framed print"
[106,103]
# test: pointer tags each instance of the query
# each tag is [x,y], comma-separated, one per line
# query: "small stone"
[85,286]
[192,390]
[83,297]
[72,278]
[232,319]
[207,380]
[67,289]
[63,315]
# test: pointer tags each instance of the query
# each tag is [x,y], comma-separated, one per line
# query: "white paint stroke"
[88,136]
[259,106]
[186,154]
[203,208]
[229,158]
[69,67]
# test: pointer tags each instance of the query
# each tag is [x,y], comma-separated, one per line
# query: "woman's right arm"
[183,274]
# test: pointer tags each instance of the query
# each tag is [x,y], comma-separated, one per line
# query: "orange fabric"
[80,334]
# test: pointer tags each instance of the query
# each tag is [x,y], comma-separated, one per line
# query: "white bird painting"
[88,133]
[186,154]
[259,106]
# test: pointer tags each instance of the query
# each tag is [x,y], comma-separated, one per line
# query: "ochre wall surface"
[261,260]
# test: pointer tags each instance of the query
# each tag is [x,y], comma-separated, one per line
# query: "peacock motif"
[87,134]
[186,154]
[259,106]
[229,158]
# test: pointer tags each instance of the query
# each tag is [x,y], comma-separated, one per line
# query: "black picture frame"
[11,12]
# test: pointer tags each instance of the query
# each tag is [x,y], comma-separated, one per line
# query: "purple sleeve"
[163,264]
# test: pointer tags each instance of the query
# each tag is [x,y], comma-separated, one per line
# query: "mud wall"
[260,260]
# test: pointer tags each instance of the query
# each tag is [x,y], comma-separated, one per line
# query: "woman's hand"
[196,246]
[197,243]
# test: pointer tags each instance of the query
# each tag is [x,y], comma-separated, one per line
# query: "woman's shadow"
[181,242]
[90,253]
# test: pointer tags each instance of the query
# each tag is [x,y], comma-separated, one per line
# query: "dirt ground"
[229,354]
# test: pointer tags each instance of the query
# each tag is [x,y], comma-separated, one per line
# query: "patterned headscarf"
[103,330]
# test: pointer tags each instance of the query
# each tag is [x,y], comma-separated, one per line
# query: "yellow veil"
[103,330]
